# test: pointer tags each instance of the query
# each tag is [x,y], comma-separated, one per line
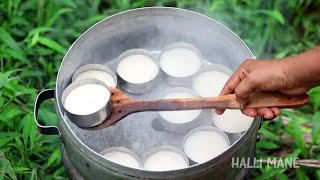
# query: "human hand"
[261,75]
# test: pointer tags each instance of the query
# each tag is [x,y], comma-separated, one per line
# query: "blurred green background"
[34,36]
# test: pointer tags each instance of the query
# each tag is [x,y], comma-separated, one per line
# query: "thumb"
[244,89]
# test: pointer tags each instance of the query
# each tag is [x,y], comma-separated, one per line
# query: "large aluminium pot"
[151,29]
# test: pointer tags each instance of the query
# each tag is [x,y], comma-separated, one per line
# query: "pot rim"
[198,168]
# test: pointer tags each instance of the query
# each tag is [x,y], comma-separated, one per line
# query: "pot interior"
[151,29]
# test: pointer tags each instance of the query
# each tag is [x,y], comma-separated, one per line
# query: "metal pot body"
[92,167]
[151,29]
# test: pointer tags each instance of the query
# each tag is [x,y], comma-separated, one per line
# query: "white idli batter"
[87,99]
[209,83]
[122,158]
[100,75]
[165,161]
[137,69]
[233,121]
[180,62]
[179,117]
[204,145]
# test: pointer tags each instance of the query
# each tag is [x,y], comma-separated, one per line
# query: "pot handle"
[42,96]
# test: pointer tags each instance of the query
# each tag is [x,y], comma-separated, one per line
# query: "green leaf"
[40,30]
[5,166]
[33,133]
[294,154]
[28,120]
[59,172]
[318,173]
[282,176]
[34,39]
[270,173]
[69,3]
[4,77]
[302,174]
[17,55]
[95,19]
[314,94]
[56,15]
[21,169]
[4,141]
[216,6]
[268,134]
[282,54]
[262,144]
[19,21]
[33,174]
[294,130]
[53,157]
[19,144]
[10,113]
[10,134]
[7,39]
[275,14]
[52,45]
[315,127]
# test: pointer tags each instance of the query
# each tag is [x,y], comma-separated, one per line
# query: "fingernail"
[218,111]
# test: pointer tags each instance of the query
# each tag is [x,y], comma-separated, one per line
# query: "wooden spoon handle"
[256,101]
[123,106]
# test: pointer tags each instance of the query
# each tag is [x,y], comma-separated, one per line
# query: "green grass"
[34,36]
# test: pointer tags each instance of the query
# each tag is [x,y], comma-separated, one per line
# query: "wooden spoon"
[122,105]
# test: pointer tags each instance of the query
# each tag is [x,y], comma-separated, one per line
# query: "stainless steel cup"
[164,148]
[207,68]
[180,127]
[219,120]
[180,81]
[97,67]
[124,150]
[203,128]
[137,88]
[88,120]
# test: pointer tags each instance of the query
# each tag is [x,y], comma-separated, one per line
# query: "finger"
[250,112]
[234,80]
[219,111]
[266,113]
[243,90]
[229,87]
[276,111]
